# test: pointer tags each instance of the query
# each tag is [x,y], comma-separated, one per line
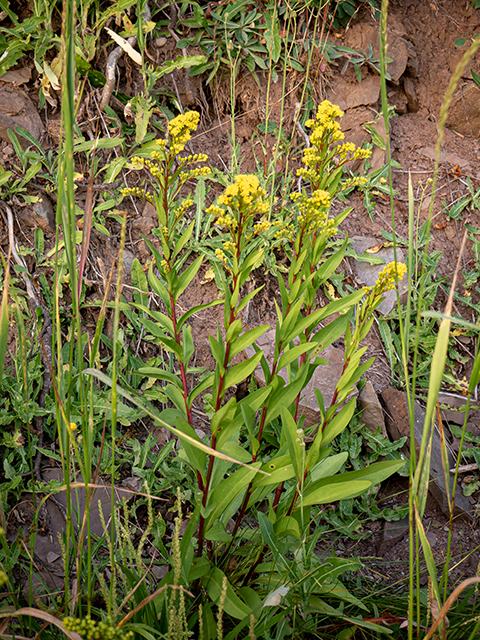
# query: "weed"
[292,476]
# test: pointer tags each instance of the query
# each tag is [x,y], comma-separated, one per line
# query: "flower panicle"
[325,146]
[388,277]
[244,198]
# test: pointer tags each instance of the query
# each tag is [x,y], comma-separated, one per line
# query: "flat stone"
[371,410]
[452,406]
[392,533]
[39,214]
[367,273]
[398,426]
[147,221]
[128,258]
[451,158]
[361,35]
[464,112]
[354,94]
[47,549]
[324,379]
[17,76]
[16,108]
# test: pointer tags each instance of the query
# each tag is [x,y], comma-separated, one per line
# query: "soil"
[424,34]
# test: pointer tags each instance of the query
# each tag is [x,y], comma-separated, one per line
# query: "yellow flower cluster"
[181,207]
[197,172]
[135,191]
[356,181]
[229,246]
[327,132]
[348,151]
[165,266]
[244,199]
[244,191]
[197,157]
[263,225]
[286,230]
[224,219]
[392,273]
[180,129]
[220,255]
[325,122]
[313,212]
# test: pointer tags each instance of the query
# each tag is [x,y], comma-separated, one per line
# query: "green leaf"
[289,429]
[218,350]
[217,533]
[290,355]
[160,374]
[279,468]
[285,394]
[241,371]
[182,241]
[234,606]
[274,42]
[244,301]
[194,310]
[268,535]
[202,386]
[139,281]
[339,422]
[427,551]
[158,287]
[476,77]
[228,490]
[287,526]
[188,345]
[4,320]
[334,329]
[101,143]
[330,265]
[328,467]
[183,280]
[247,338]
[181,62]
[359,481]
[334,491]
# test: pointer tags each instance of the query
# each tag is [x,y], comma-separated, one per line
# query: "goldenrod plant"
[292,477]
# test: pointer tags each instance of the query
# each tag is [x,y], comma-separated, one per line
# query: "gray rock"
[367,273]
[393,532]
[398,426]
[39,214]
[128,258]
[371,409]
[324,379]
[47,549]
[16,108]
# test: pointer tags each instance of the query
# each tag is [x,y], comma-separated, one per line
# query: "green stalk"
[116,318]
